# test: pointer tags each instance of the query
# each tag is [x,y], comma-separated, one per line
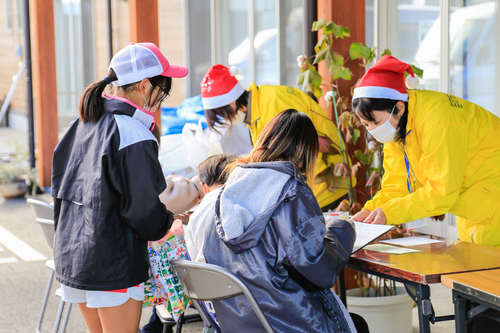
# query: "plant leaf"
[320,45]
[318,24]
[326,146]
[418,72]
[358,50]
[337,30]
[333,183]
[323,175]
[342,170]
[355,135]
[386,51]
[360,156]
[321,55]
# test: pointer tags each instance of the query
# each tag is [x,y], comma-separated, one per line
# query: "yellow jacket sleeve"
[394,179]
[443,162]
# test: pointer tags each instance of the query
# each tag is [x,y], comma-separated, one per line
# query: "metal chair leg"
[44,303]
[66,317]
[59,314]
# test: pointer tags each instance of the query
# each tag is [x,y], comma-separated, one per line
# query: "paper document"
[411,241]
[389,249]
[367,233]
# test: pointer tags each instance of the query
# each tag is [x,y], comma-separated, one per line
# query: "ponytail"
[91,102]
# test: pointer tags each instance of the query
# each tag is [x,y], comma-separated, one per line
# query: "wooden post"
[44,77]
[144,28]
[350,14]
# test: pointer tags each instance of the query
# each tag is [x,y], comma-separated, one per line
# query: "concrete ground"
[23,282]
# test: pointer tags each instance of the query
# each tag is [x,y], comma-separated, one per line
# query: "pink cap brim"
[175,71]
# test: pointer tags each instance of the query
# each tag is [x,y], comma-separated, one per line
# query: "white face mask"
[385,133]
[146,105]
[239,117]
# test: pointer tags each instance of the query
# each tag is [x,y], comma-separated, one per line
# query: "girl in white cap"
[226,102]
[441,154]
[106,183]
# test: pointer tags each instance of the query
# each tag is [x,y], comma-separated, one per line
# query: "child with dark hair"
[107,186]
[212,176]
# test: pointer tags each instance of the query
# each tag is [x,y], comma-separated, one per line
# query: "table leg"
[460,313]
[341,287]
[424,308]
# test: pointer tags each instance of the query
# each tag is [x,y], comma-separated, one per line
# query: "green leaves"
[359,50]
[418,72]
[311,82]
[318,24]
[337,30]
[355,135]
[386,51]
[331,28]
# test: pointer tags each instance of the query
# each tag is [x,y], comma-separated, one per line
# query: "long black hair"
[91,100]
[364,107]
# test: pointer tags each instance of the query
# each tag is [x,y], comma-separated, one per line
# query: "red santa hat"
[386,79]
[219,87]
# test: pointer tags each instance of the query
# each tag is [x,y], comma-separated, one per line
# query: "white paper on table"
[367,233]
[410,241]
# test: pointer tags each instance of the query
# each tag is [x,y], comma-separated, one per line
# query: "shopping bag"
[163,286]
[200,144]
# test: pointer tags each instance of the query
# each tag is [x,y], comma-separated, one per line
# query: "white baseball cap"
[139,61]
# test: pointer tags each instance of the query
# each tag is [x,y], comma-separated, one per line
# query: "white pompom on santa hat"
[386,79]
[219,87]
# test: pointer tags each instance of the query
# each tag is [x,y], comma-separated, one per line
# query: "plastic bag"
[199,145]
[173,157]
[163,285]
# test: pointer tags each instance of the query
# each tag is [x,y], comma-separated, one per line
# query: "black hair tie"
[107,80]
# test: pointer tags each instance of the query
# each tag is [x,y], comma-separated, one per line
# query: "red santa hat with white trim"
[386,79]
[220,87]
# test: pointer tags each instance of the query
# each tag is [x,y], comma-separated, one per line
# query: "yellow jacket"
[454,151]
[268,101]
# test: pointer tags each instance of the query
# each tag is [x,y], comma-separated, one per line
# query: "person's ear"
[143,86]
[401,108]
[205,187]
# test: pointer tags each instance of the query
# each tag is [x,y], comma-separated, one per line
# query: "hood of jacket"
[249,199]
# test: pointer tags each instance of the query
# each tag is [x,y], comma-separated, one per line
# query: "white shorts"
[102,299]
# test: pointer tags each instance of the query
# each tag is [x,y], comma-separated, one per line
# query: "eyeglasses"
[161,93]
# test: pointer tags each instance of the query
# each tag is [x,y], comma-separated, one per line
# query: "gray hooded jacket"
[270,232]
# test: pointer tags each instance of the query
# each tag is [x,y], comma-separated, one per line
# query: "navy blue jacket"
[106,179]
[269,231]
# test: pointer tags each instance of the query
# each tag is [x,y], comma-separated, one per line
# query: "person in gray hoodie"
[269,231]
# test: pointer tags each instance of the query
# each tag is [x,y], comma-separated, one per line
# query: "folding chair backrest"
[210,282]
[42,209]
[48,230]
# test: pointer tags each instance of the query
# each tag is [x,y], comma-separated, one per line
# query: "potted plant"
[376,298]
[15,175]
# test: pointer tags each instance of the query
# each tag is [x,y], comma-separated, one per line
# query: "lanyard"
[408,167]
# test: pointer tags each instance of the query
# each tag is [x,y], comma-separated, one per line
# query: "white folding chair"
[44,213]
[208,282]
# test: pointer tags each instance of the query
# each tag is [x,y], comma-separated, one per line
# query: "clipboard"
[367,233]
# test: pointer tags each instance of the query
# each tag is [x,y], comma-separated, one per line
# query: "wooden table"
[418,270]
[483,288]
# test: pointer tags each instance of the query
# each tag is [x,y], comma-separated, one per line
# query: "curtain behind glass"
[293,17]
[473,64]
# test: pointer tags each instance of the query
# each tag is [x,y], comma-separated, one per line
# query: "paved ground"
[22,283]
